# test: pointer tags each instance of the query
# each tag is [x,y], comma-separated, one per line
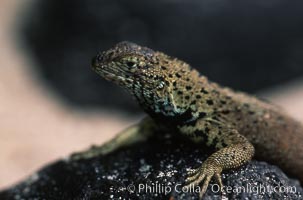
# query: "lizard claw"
[204,174]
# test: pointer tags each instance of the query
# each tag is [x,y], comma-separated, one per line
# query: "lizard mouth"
[108,73]
[112,71]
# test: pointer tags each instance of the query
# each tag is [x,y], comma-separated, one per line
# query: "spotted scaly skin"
[180,100]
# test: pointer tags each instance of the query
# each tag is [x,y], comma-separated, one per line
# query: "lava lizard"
[178,99]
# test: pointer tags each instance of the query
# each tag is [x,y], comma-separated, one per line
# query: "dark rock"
[161,161]
[247,45]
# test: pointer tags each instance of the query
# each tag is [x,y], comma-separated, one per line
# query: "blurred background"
[52,104]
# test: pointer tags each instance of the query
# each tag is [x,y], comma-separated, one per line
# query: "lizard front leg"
[233,151]
[131,135]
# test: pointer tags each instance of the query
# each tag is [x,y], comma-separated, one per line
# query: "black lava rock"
[151,170]
[244,44]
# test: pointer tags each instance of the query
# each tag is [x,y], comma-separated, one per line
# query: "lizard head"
[122,63]
[152,77]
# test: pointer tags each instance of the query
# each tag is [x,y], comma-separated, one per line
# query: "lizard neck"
[181,103]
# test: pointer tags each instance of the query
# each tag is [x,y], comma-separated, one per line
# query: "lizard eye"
[130,64]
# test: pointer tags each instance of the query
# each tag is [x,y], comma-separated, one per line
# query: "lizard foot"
[204,174]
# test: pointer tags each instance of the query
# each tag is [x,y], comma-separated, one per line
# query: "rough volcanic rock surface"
[145,171]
